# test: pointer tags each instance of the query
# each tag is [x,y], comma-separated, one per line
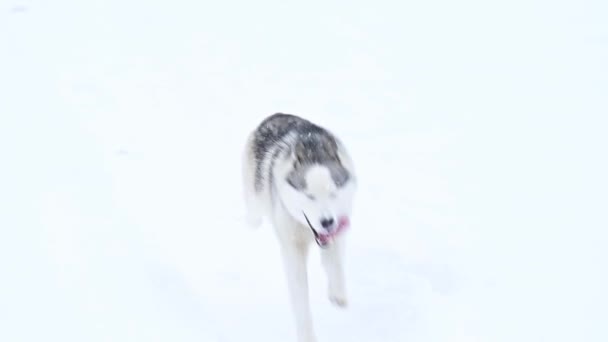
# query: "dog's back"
[281,134]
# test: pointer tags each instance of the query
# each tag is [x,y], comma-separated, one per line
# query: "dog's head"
[319,187]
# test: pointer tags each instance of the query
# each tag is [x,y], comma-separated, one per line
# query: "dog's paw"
[338,300]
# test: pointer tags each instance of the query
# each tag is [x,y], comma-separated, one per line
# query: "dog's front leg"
[331,258]
[295,257]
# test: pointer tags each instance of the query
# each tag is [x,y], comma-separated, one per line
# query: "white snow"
[478,129]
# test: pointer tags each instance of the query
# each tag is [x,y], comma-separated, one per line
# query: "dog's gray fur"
[309,142]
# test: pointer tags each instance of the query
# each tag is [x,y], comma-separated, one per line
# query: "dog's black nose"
[327,222]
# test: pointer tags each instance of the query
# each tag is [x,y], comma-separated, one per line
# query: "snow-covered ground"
[478,129]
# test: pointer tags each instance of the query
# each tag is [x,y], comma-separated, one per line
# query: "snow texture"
[478,130]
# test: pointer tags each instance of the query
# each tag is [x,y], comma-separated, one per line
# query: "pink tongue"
[343,224]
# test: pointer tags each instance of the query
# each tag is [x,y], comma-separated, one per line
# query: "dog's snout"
[327,223]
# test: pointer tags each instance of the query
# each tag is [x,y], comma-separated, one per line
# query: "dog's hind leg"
[295,257]
[332,259]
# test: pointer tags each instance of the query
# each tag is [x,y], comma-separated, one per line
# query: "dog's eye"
[341,178]
[295,182]
[340,182]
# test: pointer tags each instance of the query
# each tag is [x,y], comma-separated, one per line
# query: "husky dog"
[300,177]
